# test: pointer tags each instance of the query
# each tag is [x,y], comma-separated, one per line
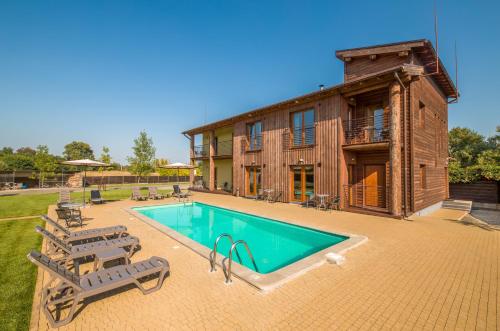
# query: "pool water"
[274,244]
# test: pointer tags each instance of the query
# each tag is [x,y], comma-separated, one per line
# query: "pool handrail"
[213,253]
[227,271]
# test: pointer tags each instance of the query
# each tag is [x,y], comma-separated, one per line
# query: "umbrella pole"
[84,180]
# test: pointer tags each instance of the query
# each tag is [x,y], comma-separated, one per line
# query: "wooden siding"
[361,66]
[429,143]
[277,156]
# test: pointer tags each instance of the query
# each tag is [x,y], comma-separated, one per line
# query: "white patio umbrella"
[178,166]
[85,163]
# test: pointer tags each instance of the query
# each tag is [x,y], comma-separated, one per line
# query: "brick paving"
[431,273]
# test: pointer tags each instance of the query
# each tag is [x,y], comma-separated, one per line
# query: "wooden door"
[253,181]
[374,185]
[302,182]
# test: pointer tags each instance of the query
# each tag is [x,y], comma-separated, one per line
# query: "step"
[457,204]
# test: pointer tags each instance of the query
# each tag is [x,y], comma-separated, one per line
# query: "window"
[421,115]
[254,136]
[423,177]
[302,128]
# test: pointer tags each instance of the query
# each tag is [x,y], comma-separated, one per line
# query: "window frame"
[249,138]
[303,128]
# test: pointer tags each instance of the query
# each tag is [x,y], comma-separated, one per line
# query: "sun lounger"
[74,252]
[178,193]
[70,289]
[70,216]
[153,193]
[116,231]
[95,197]
[136,194]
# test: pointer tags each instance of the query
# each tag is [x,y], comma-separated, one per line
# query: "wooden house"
[379,140]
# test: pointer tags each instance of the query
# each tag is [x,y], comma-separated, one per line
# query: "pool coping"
[263,282]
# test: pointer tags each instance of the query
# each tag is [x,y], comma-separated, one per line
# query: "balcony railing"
[366,196]
[254,143]
[302,136]
[369,129]
[224,148]
[201,150]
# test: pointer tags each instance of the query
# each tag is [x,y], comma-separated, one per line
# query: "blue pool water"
[273,244]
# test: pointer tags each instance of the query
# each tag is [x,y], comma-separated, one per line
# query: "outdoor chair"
[153,193]
[178,193]
[95,197]
[137,195]
[70,216]
[275,196]
[66,289]
[334,203]
[109,232]
[64,196]
[260,194]
[310,202]
[73,253]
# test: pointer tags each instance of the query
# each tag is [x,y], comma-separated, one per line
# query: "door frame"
[382,165]
[252,170]
[303,181]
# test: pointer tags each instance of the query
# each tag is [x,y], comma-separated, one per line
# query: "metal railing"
[201,150]
[254,143]
[227,270]
[224,148]
[368,129]
[362,196]
[303,136]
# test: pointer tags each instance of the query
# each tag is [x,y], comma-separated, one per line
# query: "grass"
[36,204]
[17,274]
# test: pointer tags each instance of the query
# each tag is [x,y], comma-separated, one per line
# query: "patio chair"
[275,196]
[136,194]
[260,194]
[153,193]
[64,196]
[76,252]
[178,193]
[95,197]
[116,231]
[310,202]
[334,203]
[66,289]
[70,216]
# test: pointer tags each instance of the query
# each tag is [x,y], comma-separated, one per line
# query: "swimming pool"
[273,244]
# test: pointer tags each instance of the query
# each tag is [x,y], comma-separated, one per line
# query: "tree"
[44,162]
[78,150]
[26,151]
[465,145]
[105,157]
[18,162]
[6,151]
[143,161]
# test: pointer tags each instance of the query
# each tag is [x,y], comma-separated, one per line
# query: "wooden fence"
[482,191]
[110,180]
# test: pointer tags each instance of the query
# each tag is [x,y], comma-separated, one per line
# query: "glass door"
[302,182]
[254,180]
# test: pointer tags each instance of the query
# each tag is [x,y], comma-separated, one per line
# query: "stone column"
[191,159]
[395,149]
[211,164]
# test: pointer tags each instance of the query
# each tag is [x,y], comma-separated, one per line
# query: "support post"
[395,149]
[191,159]
[211,165]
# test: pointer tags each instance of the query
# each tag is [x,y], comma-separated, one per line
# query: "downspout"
[405,189]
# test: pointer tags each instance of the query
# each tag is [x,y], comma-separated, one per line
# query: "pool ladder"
[234,244]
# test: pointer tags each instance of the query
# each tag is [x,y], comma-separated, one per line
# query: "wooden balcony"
[369,132]
[201,151]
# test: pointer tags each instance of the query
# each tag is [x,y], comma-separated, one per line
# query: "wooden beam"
[395,149]
[211,163]
[373,57]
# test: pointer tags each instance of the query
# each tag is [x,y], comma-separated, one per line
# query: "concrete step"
[458,205]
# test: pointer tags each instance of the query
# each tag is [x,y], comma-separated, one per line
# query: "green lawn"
[36,204]
[17,274]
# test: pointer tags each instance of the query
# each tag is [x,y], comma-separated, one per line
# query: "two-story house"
[379,140]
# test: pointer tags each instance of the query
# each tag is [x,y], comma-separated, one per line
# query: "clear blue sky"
[101,71]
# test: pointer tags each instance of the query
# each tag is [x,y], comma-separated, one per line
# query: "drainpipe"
[405,189]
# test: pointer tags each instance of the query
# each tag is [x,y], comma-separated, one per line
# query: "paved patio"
[432,272]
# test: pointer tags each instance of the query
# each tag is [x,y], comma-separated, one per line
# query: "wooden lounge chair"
[116,231]
[136,194]
[95,197]
[70,216]
[75,252]
[153,193]
[66,289]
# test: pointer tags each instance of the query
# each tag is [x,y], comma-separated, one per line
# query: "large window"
[254,136]
[302,128]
